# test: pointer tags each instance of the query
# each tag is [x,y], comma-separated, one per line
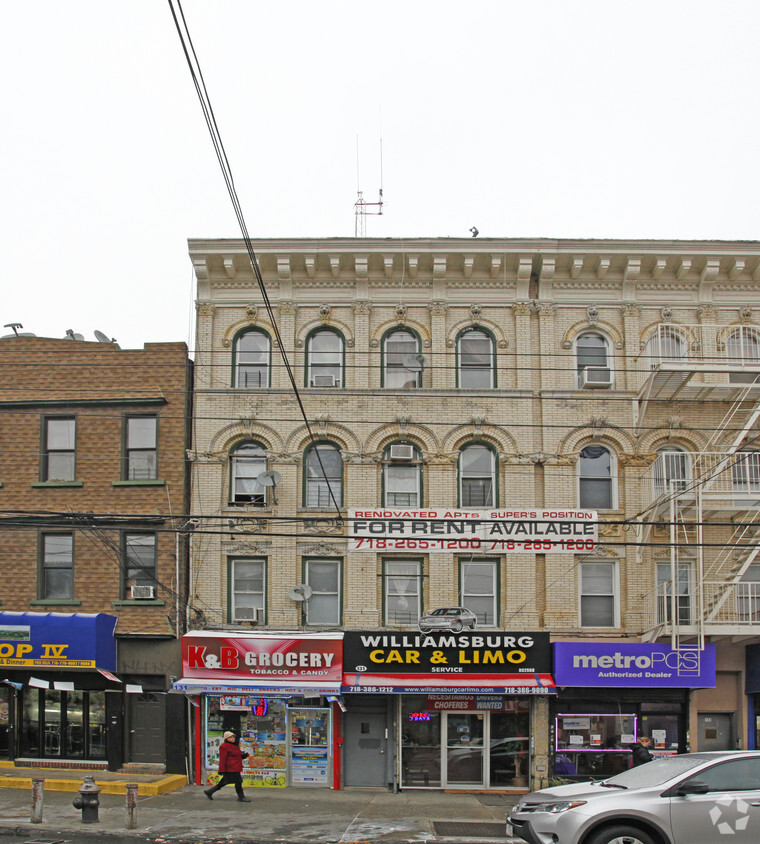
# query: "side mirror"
[692,787]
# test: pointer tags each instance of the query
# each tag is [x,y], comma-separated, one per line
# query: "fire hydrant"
[88,800]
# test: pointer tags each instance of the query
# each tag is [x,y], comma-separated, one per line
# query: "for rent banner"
[441,529]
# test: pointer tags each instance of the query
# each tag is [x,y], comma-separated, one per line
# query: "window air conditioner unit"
[247,614]
[401,452]
[143,592]
[596,376]
[324,381]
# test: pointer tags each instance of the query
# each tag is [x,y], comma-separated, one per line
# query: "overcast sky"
[548,119]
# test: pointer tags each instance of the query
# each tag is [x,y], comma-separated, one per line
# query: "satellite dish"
[300,593]
[103,338]
[414,363]
[270,478]
[70,335]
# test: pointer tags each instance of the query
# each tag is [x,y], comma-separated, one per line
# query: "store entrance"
[63,724]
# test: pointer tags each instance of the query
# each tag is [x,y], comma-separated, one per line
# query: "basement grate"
[470,829]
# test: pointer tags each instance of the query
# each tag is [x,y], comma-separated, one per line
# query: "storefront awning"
[502,684]
[192,685]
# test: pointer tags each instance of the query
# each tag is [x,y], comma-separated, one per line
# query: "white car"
[694,798]
[448,618]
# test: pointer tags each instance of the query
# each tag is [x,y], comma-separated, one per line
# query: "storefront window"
[65,724]
[98,725]
[420,743]
[509,745]
[464,748]
[5,721]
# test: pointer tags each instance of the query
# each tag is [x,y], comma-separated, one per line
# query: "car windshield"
[445,611]
[657,772]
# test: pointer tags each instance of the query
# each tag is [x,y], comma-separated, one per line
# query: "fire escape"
[703,508]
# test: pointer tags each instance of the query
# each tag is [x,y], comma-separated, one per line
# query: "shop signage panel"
[57,640]
[261,659]
[639,664]
[441,529]
[492,662]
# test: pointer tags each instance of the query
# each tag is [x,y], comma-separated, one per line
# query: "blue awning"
[56,640]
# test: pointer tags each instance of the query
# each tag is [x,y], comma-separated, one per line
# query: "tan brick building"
[498,375]
[94,488]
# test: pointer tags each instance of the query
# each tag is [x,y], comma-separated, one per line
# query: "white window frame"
[743,349]
[395,375]
[661,348]
[257,497]
[334,595]
[321,481]
[398,466]
[328,361]
[414,577]
[664,480]
[614,594]
[145,452]
[260,375]
[492,594]
[592,361]
[257,598]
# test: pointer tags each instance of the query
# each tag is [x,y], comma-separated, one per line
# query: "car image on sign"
[453,619]
[694,798]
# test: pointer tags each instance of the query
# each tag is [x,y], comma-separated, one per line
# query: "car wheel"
[456,626]
[621,835]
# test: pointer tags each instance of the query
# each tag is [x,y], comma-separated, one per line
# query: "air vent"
[247,614]
[401,452]
[143,592]
[596,376]
[324,381]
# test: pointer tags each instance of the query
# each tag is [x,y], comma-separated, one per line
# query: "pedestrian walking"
[230,767]
[641,752]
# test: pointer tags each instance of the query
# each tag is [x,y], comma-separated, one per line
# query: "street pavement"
[284,816]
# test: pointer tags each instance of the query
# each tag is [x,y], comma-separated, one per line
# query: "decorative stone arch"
[664,438]
[606,329]
[418,435]
[503,442]
[487,325]
[685,330]
[233,331]
[328,431]
[338,326]
[613,438]
[237,432]
[393,324]
[725,331]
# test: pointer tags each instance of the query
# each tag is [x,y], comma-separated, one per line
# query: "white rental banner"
[441,529]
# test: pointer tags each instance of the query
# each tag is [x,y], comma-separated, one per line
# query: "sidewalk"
[285,816]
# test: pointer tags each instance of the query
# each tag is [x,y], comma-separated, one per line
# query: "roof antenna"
[361,206]
[14,325]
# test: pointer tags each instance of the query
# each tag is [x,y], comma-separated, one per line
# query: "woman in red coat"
[230,767]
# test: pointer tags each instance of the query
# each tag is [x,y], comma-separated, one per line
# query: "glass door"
[465,742]
[6,700]
[74,725]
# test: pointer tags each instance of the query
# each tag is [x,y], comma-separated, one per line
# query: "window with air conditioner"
[592,360]
[142,592]
[402,476]
[252,356]
[139,567]
[324,358]
[247,462]
[247,588]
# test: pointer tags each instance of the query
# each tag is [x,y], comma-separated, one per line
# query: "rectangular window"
[402,592]
[479,589]
[665,591]
[57,575]
[598,595]
[140,563]
[59,449]
[247,590]
[402,484]
[141,453]
[324,605]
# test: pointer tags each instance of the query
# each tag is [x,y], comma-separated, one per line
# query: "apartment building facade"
[588,406]
[94,489]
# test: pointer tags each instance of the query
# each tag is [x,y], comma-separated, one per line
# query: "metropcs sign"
[441,529]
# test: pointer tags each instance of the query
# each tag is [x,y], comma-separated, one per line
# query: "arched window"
[595,478]
[247,462]
[402,476]
[402,364]
[743,349]
[592,360]
[252,357]
[477,476]
[324,354]
[666,344]
[671,471]
[323,476]
[475,358]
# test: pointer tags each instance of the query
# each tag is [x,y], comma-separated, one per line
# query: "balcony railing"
[719,345]
[732,604]
[734,478]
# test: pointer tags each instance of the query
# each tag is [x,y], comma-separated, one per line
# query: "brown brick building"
[94,493]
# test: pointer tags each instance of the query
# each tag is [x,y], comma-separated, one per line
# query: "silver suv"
[696,798]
